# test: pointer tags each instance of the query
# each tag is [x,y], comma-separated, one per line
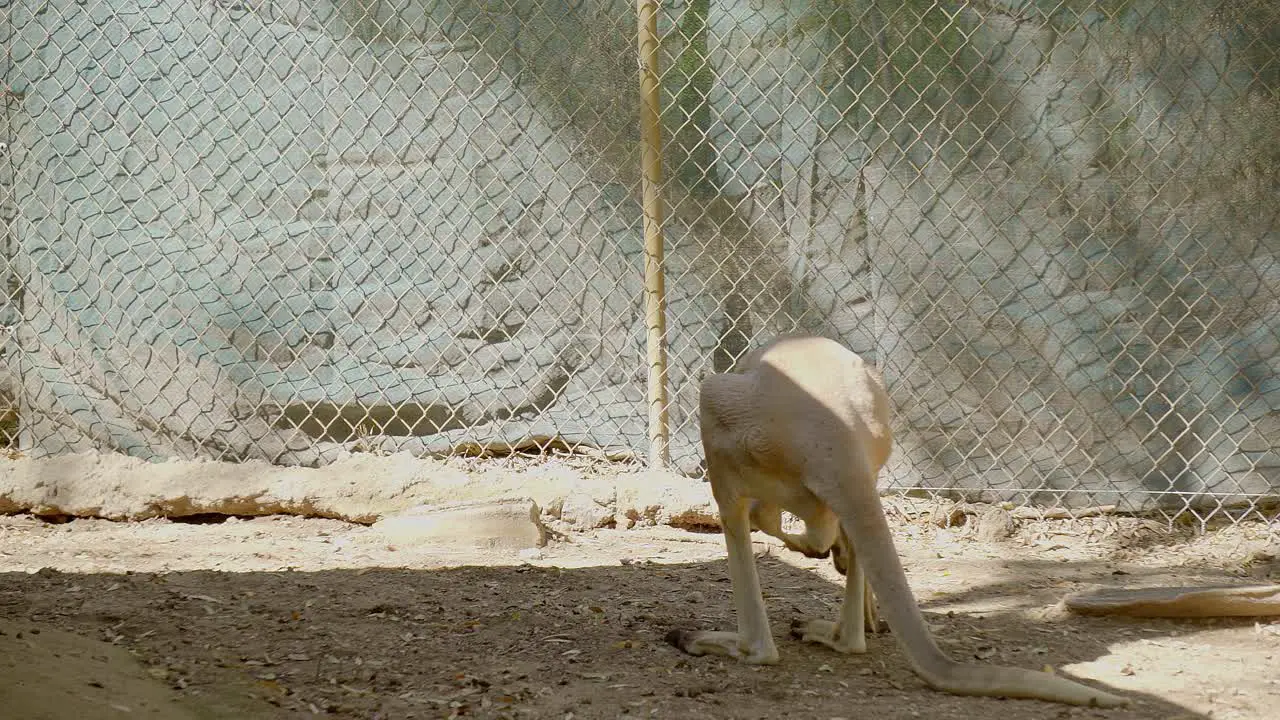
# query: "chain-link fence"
[284,230]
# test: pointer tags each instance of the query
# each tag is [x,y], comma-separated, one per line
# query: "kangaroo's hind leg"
[857,611]
[843,554]
[753,642]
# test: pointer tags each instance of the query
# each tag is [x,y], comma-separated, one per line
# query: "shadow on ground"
[494,642]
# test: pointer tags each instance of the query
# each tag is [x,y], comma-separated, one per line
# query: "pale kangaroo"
[805,428]
[821,538]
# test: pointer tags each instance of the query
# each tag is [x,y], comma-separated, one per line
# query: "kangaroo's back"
[822,395]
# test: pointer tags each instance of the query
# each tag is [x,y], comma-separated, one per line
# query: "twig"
[1030,513]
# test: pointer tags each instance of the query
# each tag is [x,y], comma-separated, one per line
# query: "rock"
[995,524]
[656,497]
[581,511]
[953,516]
[358,488]
[511,524]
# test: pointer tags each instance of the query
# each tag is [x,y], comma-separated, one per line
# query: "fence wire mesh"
[289,231]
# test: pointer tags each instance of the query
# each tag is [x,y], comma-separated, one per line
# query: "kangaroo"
[821,539]
[804,427]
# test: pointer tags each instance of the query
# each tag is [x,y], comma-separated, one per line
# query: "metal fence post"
[654,288]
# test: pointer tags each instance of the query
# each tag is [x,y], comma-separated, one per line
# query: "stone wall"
[282,230]
[1118,252]
[281,233]
[1055,228]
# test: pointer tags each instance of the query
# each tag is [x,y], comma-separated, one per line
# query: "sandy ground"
[283,617]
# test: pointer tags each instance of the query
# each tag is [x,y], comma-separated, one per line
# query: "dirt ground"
[284,617]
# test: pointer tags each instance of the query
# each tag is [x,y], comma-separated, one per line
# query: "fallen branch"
[1180,602]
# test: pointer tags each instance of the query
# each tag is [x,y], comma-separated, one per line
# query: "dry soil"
[284,617]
